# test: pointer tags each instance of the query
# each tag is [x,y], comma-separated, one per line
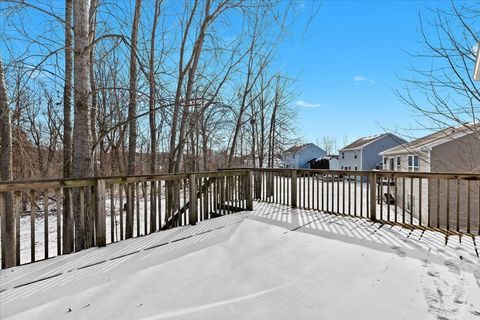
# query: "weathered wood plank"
[100,214]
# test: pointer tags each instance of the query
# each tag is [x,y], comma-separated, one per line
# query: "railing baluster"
[349,195]
[308,192]
[468,205]
[185,216]
[120,190]
[438,203]
[448,204]
[137,202]
[412,200]
[388,198]
[100,217]
[153,205]
[420,201]
[395,181]
[343,194]
[403,199]
[333,193]
[458,206]
[361,195]
[355,195]
[367,200]
[17,202]
[380,196]
[146,207]
[32,225]
[45,222]
[323,191]
[337,180]
[373,196]
[112,213]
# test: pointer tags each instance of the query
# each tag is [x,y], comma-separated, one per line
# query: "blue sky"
[347,65]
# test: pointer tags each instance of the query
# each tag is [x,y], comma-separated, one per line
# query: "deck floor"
[272,263]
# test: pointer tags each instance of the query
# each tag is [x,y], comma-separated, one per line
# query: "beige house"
[450,150]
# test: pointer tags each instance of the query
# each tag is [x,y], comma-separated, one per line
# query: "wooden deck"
[42,288]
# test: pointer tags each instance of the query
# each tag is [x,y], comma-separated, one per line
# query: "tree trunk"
[9,255]
[153,125]
[132,112]
[152,84]
[82,136]
[67,223]
[93,86]
[197,50]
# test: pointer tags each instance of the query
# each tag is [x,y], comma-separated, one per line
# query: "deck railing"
[446,202]
[44,222]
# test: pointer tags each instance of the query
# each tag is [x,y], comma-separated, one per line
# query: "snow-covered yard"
[272,263]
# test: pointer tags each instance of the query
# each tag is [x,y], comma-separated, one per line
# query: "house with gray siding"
[363,154]
[448,150]
[299,156]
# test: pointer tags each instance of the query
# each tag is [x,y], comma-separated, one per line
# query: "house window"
[343,155]
[355,156]
[356,169]
[384,160]
[342,167]
[391,164]
[413,163]
[293,156]
[398,163]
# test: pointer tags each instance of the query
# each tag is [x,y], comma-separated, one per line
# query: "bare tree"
[67,127]
[444,93]
[82,135]
[9,255]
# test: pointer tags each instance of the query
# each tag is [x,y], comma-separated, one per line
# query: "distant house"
[328,162]
[299,156]
[363,154]
[448,150]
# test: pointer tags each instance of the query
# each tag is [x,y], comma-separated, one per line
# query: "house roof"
[362,142]
[297,148]
[434,139]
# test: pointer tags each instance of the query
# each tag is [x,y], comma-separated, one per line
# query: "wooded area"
[134,87]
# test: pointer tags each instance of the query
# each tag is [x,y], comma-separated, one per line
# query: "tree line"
[146,86]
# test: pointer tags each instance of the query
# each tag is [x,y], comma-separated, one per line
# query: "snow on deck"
[272,263]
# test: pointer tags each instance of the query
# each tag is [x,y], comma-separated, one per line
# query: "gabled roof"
[362,142]
[434,139]
[297,148]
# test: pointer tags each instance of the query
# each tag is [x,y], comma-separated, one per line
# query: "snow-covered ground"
[272,263]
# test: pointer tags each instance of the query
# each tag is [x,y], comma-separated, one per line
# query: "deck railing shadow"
[113,261]
[403,241]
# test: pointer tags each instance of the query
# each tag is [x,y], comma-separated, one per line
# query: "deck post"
[193,214]
[373,196]
[8,224]
[248,189]
[100,218]
[293,181]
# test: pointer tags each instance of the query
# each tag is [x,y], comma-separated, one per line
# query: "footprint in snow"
[476,274]
[433,273]
[452,266]
[399,251]
[475,313]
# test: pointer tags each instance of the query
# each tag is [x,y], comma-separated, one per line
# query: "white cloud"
[303,104]
[362,78]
